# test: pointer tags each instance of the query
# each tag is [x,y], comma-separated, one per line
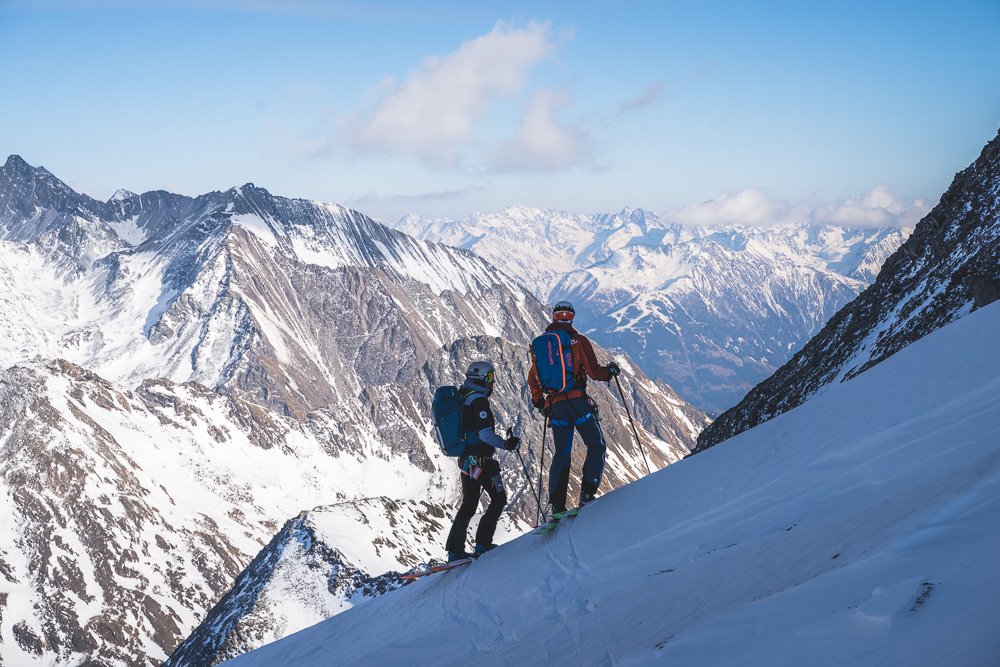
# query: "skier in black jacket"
[480,471]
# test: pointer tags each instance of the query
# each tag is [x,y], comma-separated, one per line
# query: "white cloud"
[435,112]
[746,207]
[879,207]
[543,142]
[648,95]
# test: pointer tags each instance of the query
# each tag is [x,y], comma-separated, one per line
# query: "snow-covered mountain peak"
[520,214]
[641,218]
[17,169]
[33,202]
[122,194]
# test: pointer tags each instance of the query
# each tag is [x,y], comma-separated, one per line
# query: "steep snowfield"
[858,529]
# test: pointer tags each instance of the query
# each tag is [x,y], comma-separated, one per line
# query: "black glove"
[512,442]
[614,369]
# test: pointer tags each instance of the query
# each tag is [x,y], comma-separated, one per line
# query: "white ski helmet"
[481,374]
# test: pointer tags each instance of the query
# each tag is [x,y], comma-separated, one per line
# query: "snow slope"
[857,529]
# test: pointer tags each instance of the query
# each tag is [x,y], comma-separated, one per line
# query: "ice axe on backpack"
[524,467]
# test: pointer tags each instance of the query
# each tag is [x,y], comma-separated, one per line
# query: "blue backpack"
[553,357]
[447,412]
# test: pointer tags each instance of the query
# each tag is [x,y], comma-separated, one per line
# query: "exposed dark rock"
[984,290]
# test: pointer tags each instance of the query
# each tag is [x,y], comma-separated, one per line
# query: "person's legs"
[492,484]
[593,465]
[471,490]
[562,438]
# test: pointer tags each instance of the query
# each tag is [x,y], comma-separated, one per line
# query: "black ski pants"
[478,474]
[566,416]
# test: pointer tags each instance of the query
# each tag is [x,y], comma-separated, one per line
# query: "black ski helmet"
[563,312]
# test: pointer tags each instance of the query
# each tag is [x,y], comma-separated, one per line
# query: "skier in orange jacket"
[573,410]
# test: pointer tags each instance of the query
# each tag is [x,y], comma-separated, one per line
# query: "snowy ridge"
[303,576]
[798,555]
[711,310]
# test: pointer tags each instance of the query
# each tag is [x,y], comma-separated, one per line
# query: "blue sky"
[705,111]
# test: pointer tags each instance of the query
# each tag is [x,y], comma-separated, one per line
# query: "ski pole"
[524,467]
[527,476]
[541,467]
[634,431]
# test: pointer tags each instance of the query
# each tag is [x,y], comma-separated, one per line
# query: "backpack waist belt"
[563,422]
[572,393]
[473,465]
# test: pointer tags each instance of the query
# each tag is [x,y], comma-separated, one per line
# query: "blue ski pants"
[565,417]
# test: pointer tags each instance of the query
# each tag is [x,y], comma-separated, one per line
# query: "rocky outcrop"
[984,290]
[298,579]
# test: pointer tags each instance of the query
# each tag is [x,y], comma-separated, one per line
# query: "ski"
[436,568]
[551,524]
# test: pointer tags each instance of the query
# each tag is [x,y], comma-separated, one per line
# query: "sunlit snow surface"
[858,529]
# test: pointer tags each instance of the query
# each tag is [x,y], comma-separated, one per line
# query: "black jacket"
[477,418]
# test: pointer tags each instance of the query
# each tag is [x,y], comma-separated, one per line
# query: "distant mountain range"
[948,267]
[710,310]
[184,377]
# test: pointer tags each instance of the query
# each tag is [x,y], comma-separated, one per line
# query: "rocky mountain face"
[185,376]
[948,267]
[240,291]
[710,310]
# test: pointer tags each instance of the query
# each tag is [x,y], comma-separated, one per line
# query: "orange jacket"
[584,361]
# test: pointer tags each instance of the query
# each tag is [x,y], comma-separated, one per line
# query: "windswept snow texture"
[858,529]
